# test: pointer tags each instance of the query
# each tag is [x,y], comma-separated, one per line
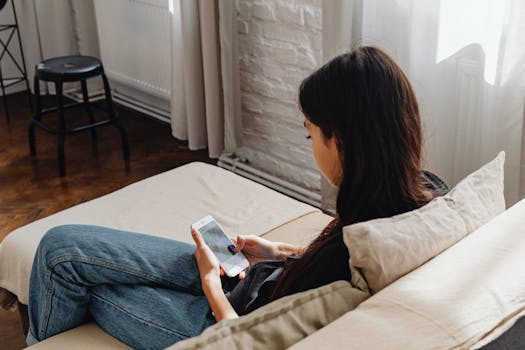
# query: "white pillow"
[385,249]
[281,323]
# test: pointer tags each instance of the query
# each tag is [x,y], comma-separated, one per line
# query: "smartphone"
[232,262]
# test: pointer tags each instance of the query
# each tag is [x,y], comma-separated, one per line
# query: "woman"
[362,117]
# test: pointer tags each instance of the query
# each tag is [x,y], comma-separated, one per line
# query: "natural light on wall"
[466,22]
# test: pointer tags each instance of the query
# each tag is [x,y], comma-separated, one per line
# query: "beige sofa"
[465,297]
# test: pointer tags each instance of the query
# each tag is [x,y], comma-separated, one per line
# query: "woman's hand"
[256,248]
[210,271]
[209,268]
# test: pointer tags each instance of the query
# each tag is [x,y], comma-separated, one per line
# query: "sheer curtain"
[466,60]
[202,82]
[55,28]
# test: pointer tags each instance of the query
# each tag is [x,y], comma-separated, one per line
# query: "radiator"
[235,164]
[135,46]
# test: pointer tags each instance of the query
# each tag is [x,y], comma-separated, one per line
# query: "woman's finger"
[242,274]
[197,237]
[221,272]
[240,242]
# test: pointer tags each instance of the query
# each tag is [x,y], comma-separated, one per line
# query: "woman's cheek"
[322,160]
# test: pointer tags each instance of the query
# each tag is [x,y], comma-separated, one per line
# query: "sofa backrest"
[465,296]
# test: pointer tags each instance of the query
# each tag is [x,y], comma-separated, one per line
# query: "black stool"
[72,69]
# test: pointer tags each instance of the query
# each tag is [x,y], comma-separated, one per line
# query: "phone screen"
[222,246]
[217,240]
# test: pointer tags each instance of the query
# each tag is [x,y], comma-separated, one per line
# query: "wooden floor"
[30,187]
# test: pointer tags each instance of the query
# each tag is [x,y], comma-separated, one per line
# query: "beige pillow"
[281,323]
[385,249]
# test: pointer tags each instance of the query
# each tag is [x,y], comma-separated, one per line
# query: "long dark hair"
[364,99]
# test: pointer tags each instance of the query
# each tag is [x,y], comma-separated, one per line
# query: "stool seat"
[69,68]
[72,69]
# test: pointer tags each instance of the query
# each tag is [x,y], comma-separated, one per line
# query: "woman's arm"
[220,305]
[284,250]
[257,249]
[209,270]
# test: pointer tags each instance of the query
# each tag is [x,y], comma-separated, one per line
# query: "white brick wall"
[279,45]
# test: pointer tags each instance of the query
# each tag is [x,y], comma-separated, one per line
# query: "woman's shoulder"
[435,183]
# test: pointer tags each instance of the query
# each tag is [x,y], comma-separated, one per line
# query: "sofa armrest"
[463,297]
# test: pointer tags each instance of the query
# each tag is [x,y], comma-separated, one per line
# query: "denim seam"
[151,324]
[117,267]
[47,305]
[31,339]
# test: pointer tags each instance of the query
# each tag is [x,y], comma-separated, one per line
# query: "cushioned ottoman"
[164,205]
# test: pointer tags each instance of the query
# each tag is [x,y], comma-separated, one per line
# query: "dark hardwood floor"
[30,187]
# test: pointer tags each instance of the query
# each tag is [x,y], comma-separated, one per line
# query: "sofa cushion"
[461,299]
[281,323]
[385,249]
[300,231]
[87,336]
[163,205]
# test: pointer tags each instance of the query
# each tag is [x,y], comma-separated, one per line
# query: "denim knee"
[58,237]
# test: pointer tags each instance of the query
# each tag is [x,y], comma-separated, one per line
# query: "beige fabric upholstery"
[498,331]
[163,205]
[386,249]
[280,323]
[300,231]
[85,337]
[470,292]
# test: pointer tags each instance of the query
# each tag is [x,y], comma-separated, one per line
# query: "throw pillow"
[385,249]
[281,323]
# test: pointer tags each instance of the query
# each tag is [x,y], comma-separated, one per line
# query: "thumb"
[197,237]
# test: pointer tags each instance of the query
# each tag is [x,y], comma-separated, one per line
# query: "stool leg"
[31,131]
[88,109]
[4,95]
[61,131]
[113,115]
[29,97]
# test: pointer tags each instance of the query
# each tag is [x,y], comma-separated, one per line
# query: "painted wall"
[279,44]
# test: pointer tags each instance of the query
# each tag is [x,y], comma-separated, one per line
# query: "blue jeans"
[143,290]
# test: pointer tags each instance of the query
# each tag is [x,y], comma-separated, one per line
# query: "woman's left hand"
[210,272]
[209,268]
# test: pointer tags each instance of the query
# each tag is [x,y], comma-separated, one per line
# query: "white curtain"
[202,83]
[466,61]
[55,28]
[45,29]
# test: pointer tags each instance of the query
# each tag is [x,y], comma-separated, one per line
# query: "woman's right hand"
[256,248]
